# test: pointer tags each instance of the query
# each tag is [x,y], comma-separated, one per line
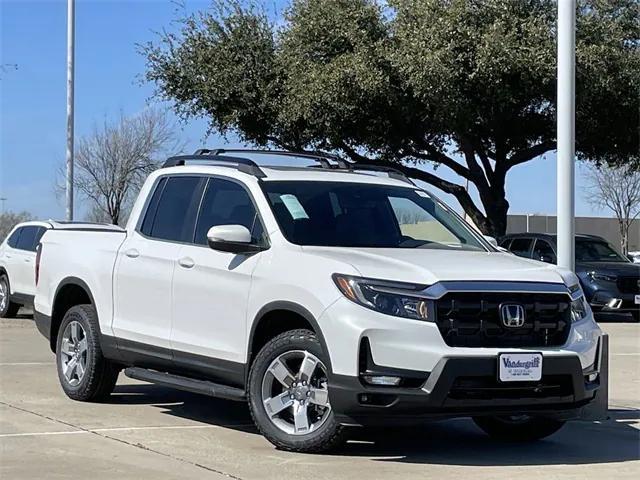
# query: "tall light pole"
[566,132]
[70,75]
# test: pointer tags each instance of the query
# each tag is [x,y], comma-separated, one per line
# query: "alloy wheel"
[73,353]
[4,295]
[297,403]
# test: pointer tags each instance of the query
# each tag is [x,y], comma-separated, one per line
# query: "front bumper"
[461,387]
[447,381]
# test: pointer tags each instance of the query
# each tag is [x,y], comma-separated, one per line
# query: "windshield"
[596,251]
[340,214]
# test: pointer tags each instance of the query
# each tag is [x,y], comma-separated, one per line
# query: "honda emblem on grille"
[512,315]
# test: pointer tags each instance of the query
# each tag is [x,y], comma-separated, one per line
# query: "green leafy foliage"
[469,85]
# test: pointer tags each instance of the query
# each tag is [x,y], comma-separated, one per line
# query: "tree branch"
[529,153]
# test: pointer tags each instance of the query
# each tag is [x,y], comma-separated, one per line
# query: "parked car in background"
[17,266]
[611,282]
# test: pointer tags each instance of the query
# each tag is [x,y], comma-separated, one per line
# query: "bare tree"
[113,161]
[617,189]
[8,220]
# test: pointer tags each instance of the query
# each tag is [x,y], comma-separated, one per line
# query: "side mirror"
[232,238]
[491,240]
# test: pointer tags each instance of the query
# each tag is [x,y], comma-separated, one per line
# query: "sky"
[108,72]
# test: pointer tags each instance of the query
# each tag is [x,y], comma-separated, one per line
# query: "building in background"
[605,227]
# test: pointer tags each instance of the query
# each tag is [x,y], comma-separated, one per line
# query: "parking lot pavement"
[149,432]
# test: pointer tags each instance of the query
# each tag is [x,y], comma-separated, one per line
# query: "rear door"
[145,266]
[211,288]
[11,257]
[23,262]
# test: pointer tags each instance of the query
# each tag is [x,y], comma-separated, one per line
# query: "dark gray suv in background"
[611,282]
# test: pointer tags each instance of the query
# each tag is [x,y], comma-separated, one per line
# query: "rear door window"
[521,247]
[27,240]
[174,217]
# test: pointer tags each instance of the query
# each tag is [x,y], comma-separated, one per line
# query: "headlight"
[391,298]
[579,309]
[602,276]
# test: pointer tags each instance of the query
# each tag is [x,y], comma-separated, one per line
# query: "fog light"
[592,377]
[382,380]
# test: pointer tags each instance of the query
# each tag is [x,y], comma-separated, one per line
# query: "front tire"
[8,309]
[518,428]
[84,374]
[288,394]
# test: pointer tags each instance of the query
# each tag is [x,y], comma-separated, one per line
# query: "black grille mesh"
[629,284]
[472,319]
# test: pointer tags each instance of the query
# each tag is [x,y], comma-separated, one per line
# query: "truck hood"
[427,266]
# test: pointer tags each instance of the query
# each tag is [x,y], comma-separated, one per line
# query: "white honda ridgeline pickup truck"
[325,297]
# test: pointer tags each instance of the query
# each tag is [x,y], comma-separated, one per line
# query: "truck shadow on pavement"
[447,442]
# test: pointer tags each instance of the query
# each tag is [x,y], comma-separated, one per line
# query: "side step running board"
[185,383]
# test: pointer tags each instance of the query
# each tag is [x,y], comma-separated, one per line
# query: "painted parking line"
[121,429]
[626,354]
[17,364]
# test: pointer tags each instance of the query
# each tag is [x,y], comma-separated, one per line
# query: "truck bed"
[79,252]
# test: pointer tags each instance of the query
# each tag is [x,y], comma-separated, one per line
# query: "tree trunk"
[624,237]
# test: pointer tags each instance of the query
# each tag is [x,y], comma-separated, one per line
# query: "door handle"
[186,262]
[132,253]
[28,260]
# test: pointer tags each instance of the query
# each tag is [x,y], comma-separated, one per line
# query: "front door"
[211,288]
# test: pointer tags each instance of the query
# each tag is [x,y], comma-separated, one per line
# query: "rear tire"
[84,373]
[8,309]
[520,428]
[303,420]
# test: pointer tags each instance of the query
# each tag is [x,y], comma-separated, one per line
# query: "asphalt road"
[147,432]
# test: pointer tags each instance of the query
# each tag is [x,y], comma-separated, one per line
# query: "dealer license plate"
[519,367]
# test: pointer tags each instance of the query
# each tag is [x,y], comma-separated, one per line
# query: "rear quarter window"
[14,237]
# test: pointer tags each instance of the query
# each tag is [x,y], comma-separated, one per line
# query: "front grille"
[472,319]
[629,284]
[488,388]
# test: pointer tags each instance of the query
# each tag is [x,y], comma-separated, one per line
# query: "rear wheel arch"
[71,291]
[279,317]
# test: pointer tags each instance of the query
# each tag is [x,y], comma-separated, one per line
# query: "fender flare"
[78,282]
[297,309]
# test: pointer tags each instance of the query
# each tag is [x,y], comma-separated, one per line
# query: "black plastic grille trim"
[472,319]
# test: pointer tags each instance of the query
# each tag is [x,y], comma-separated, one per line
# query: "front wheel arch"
[298,317]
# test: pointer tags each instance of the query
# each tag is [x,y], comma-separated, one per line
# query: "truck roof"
[277,173]
[326,167]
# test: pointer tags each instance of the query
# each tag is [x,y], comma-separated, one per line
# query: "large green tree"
[466,85]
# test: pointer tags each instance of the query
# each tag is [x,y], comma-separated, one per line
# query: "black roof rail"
[321,157]
[219,157]
[211,158]
[393,172]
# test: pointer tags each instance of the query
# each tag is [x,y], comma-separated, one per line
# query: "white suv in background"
[325,297]
[17,266]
